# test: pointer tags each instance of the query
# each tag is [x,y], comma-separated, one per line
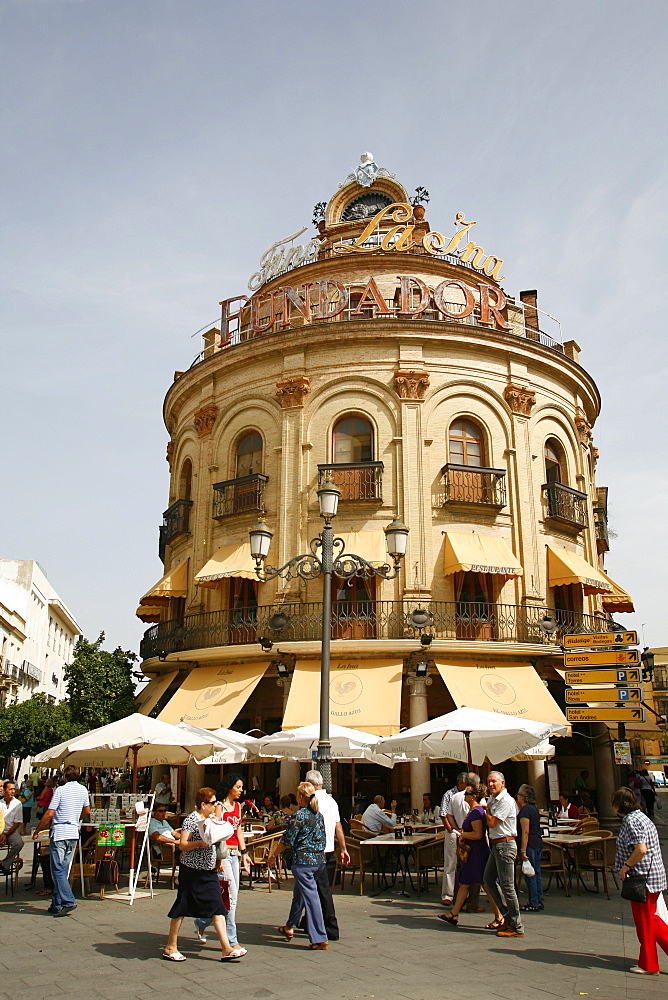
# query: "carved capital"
[205,419]
[594,454]
[583,428]
[520,399]
[292,391]
[411,384]
[170,453]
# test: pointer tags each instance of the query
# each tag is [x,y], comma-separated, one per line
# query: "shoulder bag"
[106,871]
[463,849]
[634,888]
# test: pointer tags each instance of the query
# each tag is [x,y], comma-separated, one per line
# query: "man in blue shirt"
[375,819]
[68,806]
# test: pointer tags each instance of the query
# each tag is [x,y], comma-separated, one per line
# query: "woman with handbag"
[472,851]
[640,866]
[199,892]
[305,838]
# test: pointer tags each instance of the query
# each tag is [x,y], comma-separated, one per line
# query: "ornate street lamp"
[327,558]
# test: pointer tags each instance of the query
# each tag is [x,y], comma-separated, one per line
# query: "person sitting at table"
[430,812]
[587,808]
[160,830]
[567,810]
[471,872]
[283,815]
[12,811]
[124,784]
[374,818]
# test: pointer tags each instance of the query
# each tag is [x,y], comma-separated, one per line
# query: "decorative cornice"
[411,384]
[205,418]
[292,391]
[520,399]
[583,428]
[170,453]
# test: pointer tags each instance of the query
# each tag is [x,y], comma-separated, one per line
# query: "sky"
[153,149]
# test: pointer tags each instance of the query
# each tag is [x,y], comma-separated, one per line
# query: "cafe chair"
[11,876]
[429,857]
[553,863]
[359,862]
[598,858]
[258,852]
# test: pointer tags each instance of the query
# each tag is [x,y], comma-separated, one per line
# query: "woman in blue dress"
[474,832]
[305,838]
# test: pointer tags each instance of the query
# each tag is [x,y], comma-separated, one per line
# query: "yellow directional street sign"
[581,713]
[624,677]
[604,694]
[584,641]
[628,657]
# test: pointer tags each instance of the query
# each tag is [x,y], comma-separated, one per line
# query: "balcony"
[175,521]
[463,484]
[601,525]
[361,620]
[235,496]
[356,480]
[566,505]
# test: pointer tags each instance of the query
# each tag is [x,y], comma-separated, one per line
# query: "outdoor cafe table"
[400,851]
[571,840]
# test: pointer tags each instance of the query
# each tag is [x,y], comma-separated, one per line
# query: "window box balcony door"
[476,610]
[353,608]
[466,458]
[243,611]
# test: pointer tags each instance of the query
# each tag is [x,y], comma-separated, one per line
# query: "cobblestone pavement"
[391,948]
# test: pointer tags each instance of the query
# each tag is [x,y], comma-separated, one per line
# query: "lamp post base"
[324,761]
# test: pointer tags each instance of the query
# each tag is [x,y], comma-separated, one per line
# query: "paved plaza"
[391,948]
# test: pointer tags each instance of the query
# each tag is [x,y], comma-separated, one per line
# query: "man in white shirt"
[373,817]
[163,791]
[501,812]
[450,842]
[457,813]
[329,811]
[12,810]
[68,804]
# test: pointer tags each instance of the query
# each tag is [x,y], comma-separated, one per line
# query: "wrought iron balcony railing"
[466,484]
[356,480]
[566,504]
[361,620]
[175,521]
[234,496]
[601,525]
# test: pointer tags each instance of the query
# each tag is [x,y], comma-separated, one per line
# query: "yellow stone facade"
[416,378]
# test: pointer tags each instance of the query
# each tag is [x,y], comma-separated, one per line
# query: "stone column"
[536,778]
[288,777]
[194,780]
[417,713]
[607,774]
[411,386]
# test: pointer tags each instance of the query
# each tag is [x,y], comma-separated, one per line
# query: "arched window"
[555,465]
[465,444]
[186,481]
[353,440]
[249,455]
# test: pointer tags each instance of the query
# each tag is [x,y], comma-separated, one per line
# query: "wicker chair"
[165,860]
[428,857]
[258,853]
[553,862]
[360,861]
[598,858]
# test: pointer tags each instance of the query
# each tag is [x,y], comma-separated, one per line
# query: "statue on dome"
[367,172]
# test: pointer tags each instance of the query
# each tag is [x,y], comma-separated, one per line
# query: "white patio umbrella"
[470,734]
[230,747]
[347,744]
[543,751]
[146,742]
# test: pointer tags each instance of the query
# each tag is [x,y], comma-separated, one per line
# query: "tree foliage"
[34,725]
[99,684]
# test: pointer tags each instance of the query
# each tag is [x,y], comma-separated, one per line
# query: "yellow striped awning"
[617,601]
[149,612]
[565,567]
[469,552]
[233,559]
[173,584]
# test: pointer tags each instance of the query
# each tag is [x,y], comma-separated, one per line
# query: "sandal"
[494,925]
[320,946]
[287,932]
[174,956]
[449,918]
[233,955]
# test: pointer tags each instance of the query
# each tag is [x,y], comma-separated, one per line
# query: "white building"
[37,633]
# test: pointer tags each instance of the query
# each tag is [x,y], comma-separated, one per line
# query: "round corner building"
[385,356]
